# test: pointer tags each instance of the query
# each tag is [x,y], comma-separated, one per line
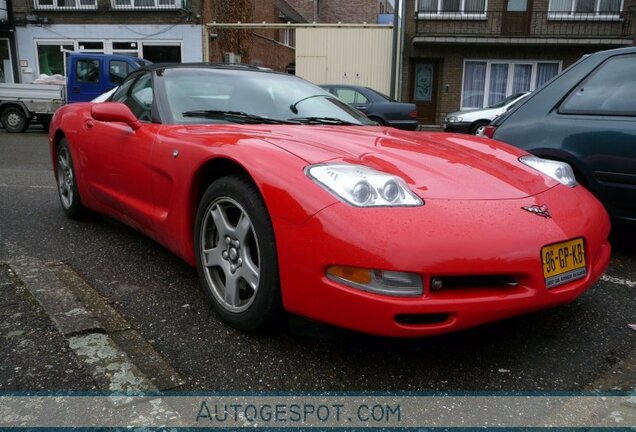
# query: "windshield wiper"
[235,116]
[324,121]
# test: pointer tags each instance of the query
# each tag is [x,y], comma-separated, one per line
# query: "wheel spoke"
[242,228]
[63,162]
[250,273]
[220,220]
[212,257]
[231,290]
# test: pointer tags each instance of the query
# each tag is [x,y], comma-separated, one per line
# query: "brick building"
[8,61]
[461,54]
[274,48]
[334,11]
[157,30]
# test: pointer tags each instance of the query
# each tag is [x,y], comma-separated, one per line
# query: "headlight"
[560,171]
[453,119]
[362,186]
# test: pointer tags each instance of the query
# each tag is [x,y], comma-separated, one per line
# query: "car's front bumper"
[461,127]
[444,238]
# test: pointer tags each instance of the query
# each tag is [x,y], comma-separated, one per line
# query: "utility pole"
[396,20]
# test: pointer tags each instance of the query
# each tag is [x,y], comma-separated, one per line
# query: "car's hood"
[435,165]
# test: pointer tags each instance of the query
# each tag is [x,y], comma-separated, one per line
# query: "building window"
[585,9]
[489,82]
[4,15]
[162,53]
[65,4]
[288,37]
[452,8]
[145,4]
[51,58]
[6,67]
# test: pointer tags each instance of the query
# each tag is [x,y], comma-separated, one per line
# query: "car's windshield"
[202,95]
[506,101]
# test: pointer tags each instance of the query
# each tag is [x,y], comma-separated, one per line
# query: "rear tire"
[14,120]
[236,254]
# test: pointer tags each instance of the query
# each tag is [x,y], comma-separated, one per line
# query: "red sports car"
[286,199]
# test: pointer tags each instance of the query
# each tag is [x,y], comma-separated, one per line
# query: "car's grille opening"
[420,319]
[440,283]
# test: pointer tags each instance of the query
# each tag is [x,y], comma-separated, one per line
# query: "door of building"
[423,89]
[517,16]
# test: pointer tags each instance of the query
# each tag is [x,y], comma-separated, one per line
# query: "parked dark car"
[586,117]
[378,107]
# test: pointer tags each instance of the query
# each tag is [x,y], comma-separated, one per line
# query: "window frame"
[55,6]
[460,15]
[51,42]
[573,15]
[510,79]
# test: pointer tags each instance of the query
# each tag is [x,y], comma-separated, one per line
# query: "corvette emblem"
[539,210]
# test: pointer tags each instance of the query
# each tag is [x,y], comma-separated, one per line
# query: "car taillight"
[413,114]
[489,131]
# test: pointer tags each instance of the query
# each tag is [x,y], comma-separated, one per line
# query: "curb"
[117,356]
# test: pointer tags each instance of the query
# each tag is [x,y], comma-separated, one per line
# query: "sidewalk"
[33,354]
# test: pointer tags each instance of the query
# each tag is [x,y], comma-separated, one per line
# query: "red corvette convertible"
[286,199]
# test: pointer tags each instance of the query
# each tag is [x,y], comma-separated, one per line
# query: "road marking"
[4,185]
[619,281]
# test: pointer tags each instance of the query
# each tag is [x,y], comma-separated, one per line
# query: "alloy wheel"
[65,178]
[230,254]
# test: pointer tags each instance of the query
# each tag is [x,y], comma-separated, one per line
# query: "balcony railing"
[532,24]
[137,5]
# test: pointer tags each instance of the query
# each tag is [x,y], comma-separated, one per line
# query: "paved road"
[562,349]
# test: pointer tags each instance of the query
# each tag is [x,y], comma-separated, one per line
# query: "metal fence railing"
[544,23]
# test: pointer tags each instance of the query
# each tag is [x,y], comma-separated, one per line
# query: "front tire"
[478,127]
[236,254]
[67,183]
[14,120]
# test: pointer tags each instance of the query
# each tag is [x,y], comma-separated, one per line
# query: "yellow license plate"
[563,262]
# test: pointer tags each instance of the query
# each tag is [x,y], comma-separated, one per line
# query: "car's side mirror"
[115,112]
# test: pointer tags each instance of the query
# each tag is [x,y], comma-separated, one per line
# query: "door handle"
[76,89]
[89,124]
[361,107]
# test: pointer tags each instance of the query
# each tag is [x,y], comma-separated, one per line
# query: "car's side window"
[87,71]
[361,99]
[351,96]
[122,91]
[137,94]
[609,90]
[117,71]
